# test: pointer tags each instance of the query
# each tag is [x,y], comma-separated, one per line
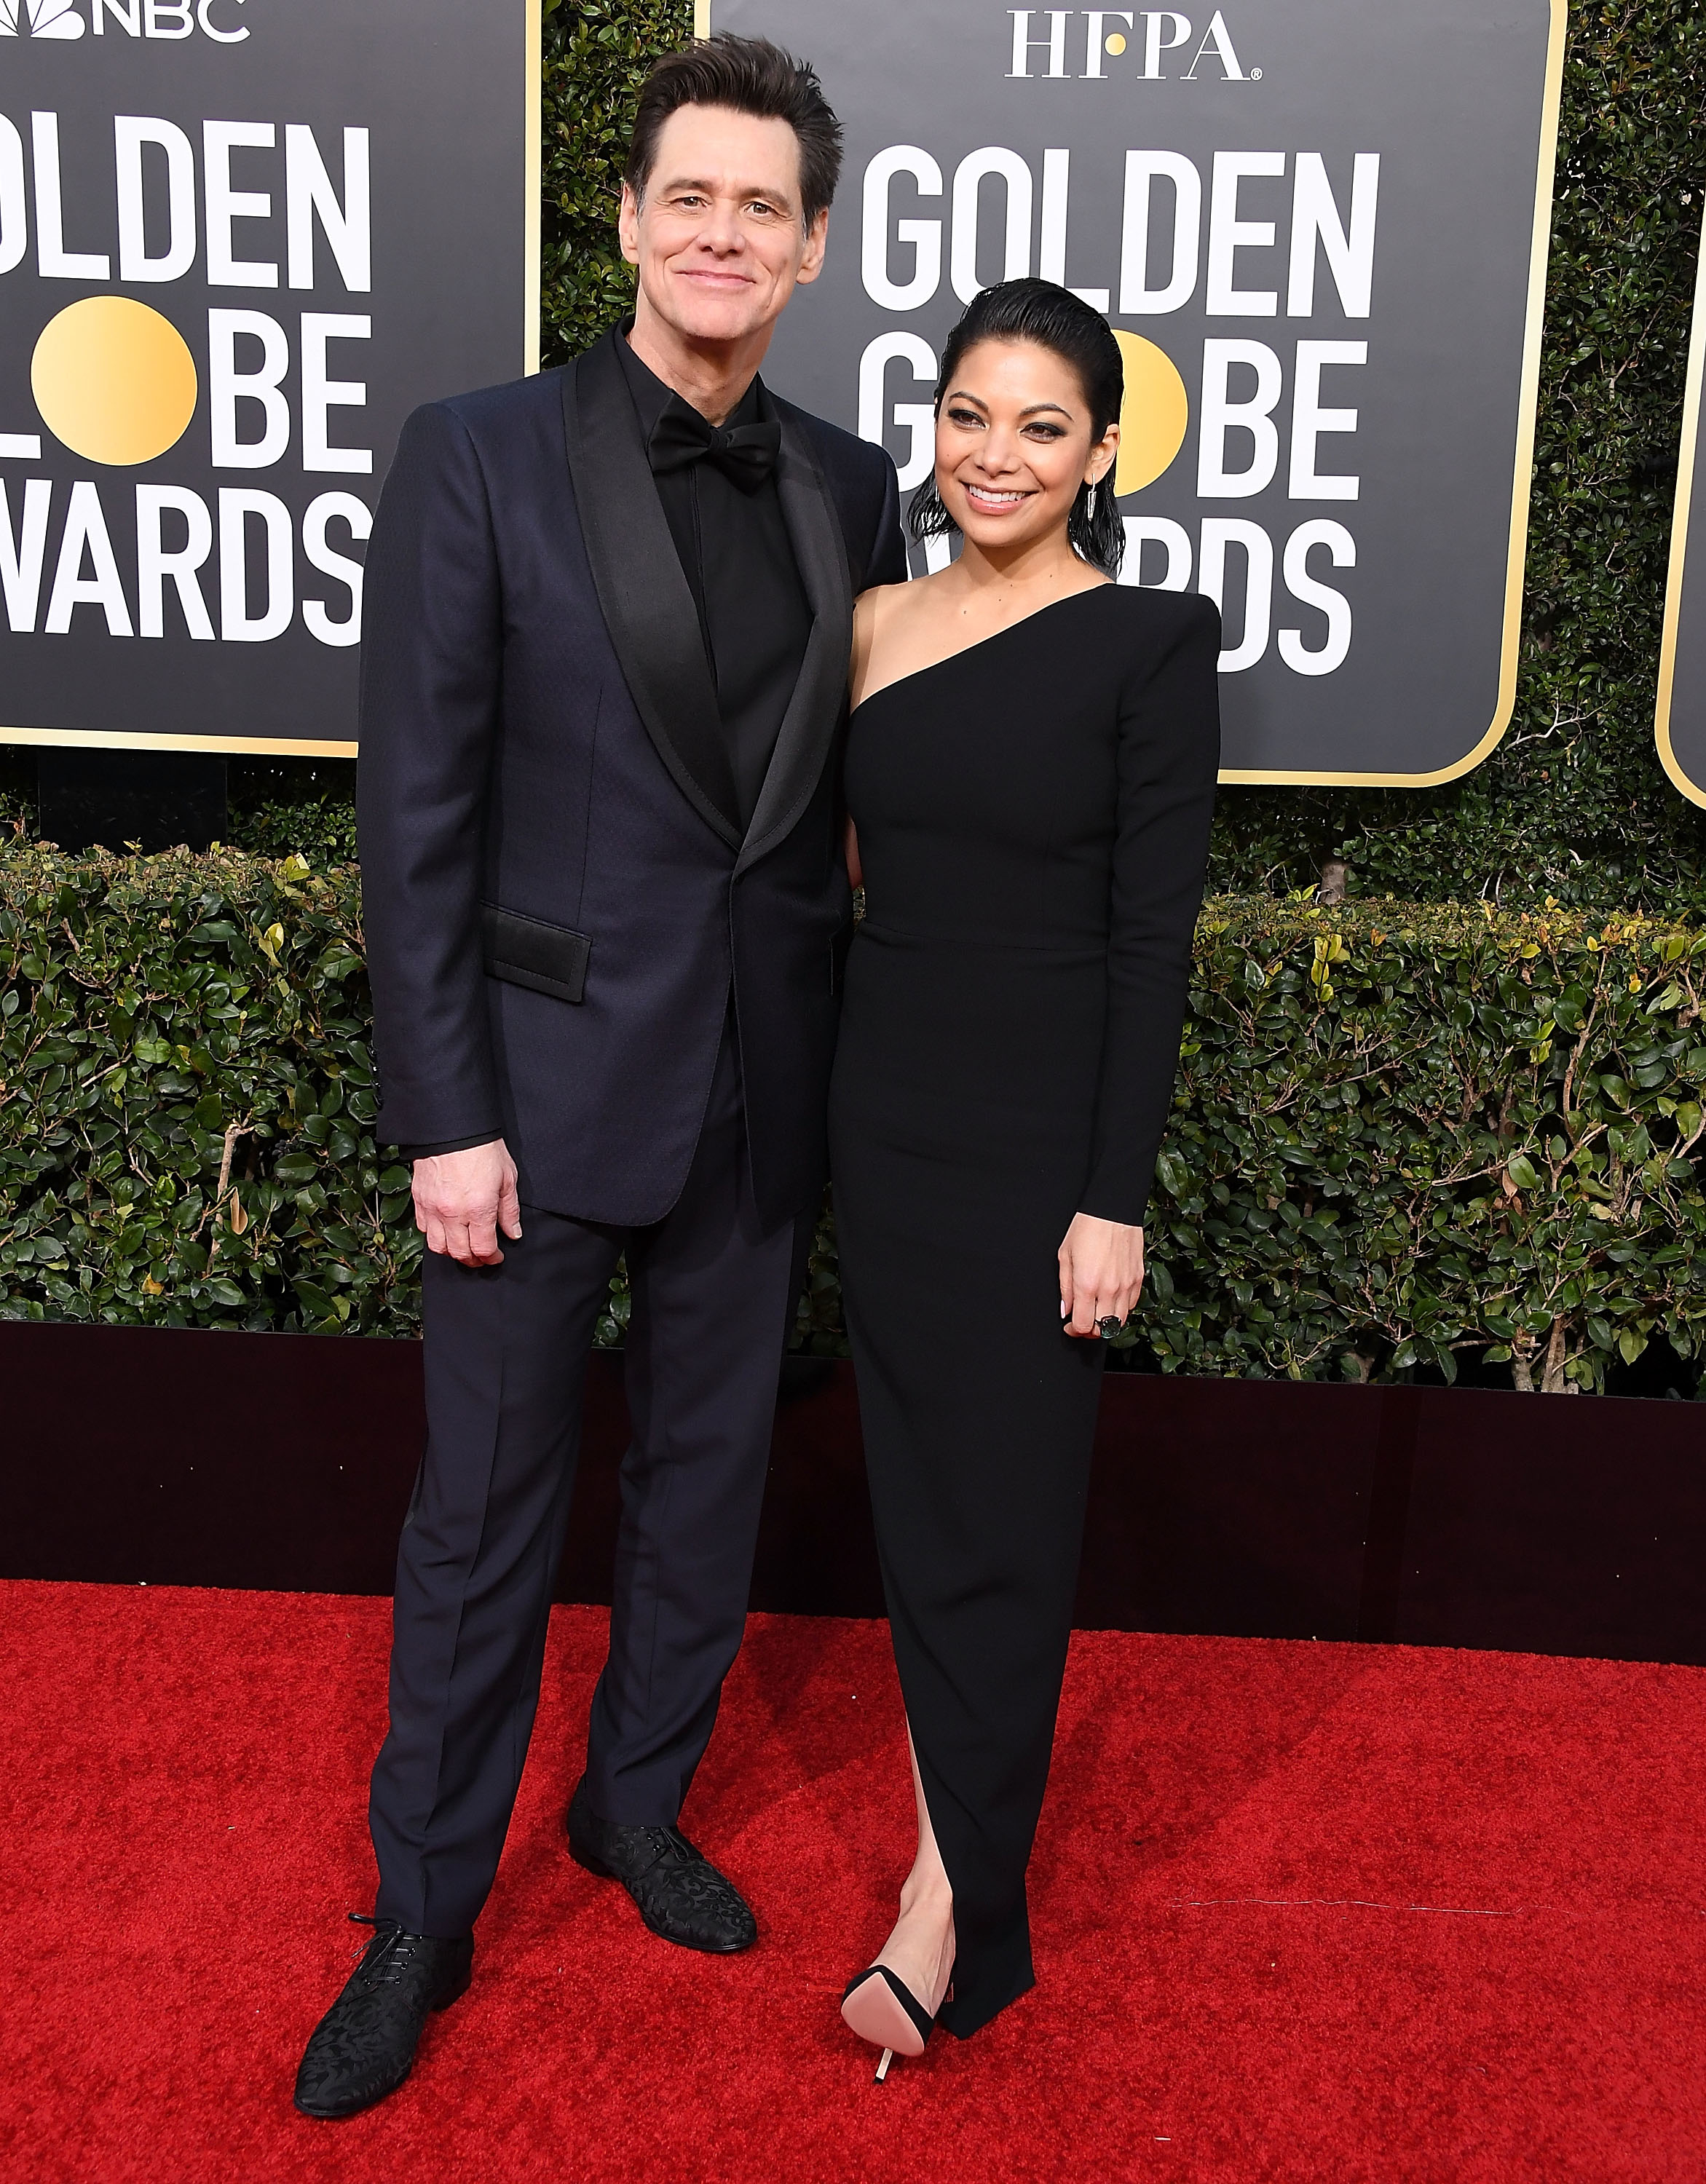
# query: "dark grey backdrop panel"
[443,88]
[1682,718]
[1459,100]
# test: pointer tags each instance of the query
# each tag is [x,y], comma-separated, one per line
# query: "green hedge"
[169,1022]
[1403,1137]
[597,54]
[1406,1135]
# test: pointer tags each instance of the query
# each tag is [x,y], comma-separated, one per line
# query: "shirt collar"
[652,397]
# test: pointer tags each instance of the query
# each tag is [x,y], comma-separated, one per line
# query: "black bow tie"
[745,453]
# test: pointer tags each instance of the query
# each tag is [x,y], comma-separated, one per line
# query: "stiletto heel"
[882,2009]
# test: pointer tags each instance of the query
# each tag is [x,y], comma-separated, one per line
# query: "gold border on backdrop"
[99,739]
[532,182]
[1679,535]
[291,746]
[1527,403]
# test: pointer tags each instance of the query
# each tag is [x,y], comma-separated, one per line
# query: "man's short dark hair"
[749,75]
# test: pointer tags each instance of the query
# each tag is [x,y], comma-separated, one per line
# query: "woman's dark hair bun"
[1055,319]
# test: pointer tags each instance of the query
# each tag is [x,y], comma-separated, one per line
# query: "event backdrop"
[1319,228]
[240,240]
[1681,716]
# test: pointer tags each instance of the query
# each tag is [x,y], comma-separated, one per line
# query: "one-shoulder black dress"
[1032,819]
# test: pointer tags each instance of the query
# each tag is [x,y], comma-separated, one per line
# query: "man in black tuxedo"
[608,619]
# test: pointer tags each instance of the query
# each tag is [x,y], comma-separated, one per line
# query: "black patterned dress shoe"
[680,1893]
[364,2046]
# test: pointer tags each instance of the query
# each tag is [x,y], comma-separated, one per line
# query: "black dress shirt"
[738,561]
[753,611]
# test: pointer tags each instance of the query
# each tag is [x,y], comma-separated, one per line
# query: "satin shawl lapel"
[648,608]
[815,712]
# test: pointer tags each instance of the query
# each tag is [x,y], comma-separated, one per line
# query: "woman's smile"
[997,500]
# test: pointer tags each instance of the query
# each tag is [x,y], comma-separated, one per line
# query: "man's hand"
[461,1200]
[1101,1274]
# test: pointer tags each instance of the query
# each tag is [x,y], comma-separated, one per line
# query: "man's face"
[717,237]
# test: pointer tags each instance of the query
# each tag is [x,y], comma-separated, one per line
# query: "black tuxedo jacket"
[556,912]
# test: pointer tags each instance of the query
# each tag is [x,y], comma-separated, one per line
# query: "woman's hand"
[1101,1274]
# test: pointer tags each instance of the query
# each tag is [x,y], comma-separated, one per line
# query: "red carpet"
[1311,1913]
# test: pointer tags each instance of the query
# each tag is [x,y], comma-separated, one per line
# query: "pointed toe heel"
[882,2010]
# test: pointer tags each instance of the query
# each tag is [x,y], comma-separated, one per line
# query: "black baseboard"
[1430,1516]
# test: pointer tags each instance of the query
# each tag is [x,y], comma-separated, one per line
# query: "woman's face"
[1013,443]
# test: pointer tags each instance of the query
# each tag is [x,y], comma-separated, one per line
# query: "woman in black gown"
[1030,773]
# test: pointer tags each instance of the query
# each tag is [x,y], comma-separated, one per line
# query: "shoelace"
[671,1843]
[387,1957]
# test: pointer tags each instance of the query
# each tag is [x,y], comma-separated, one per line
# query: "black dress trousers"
[506,1357]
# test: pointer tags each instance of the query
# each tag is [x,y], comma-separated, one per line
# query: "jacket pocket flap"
[526,952]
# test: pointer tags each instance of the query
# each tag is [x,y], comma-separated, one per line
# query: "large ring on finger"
[1109,1327]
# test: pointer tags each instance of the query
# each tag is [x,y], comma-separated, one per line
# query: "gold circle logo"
[114,380]
[1153,415]
[1116,44]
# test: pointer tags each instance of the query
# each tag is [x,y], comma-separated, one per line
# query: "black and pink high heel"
[881,2008]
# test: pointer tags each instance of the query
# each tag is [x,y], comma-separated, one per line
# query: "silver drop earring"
[1090,505]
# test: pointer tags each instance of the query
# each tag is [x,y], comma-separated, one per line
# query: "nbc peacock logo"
[171,20]
[40,18]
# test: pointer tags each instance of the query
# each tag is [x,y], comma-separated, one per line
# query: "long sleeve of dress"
[1169,755]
